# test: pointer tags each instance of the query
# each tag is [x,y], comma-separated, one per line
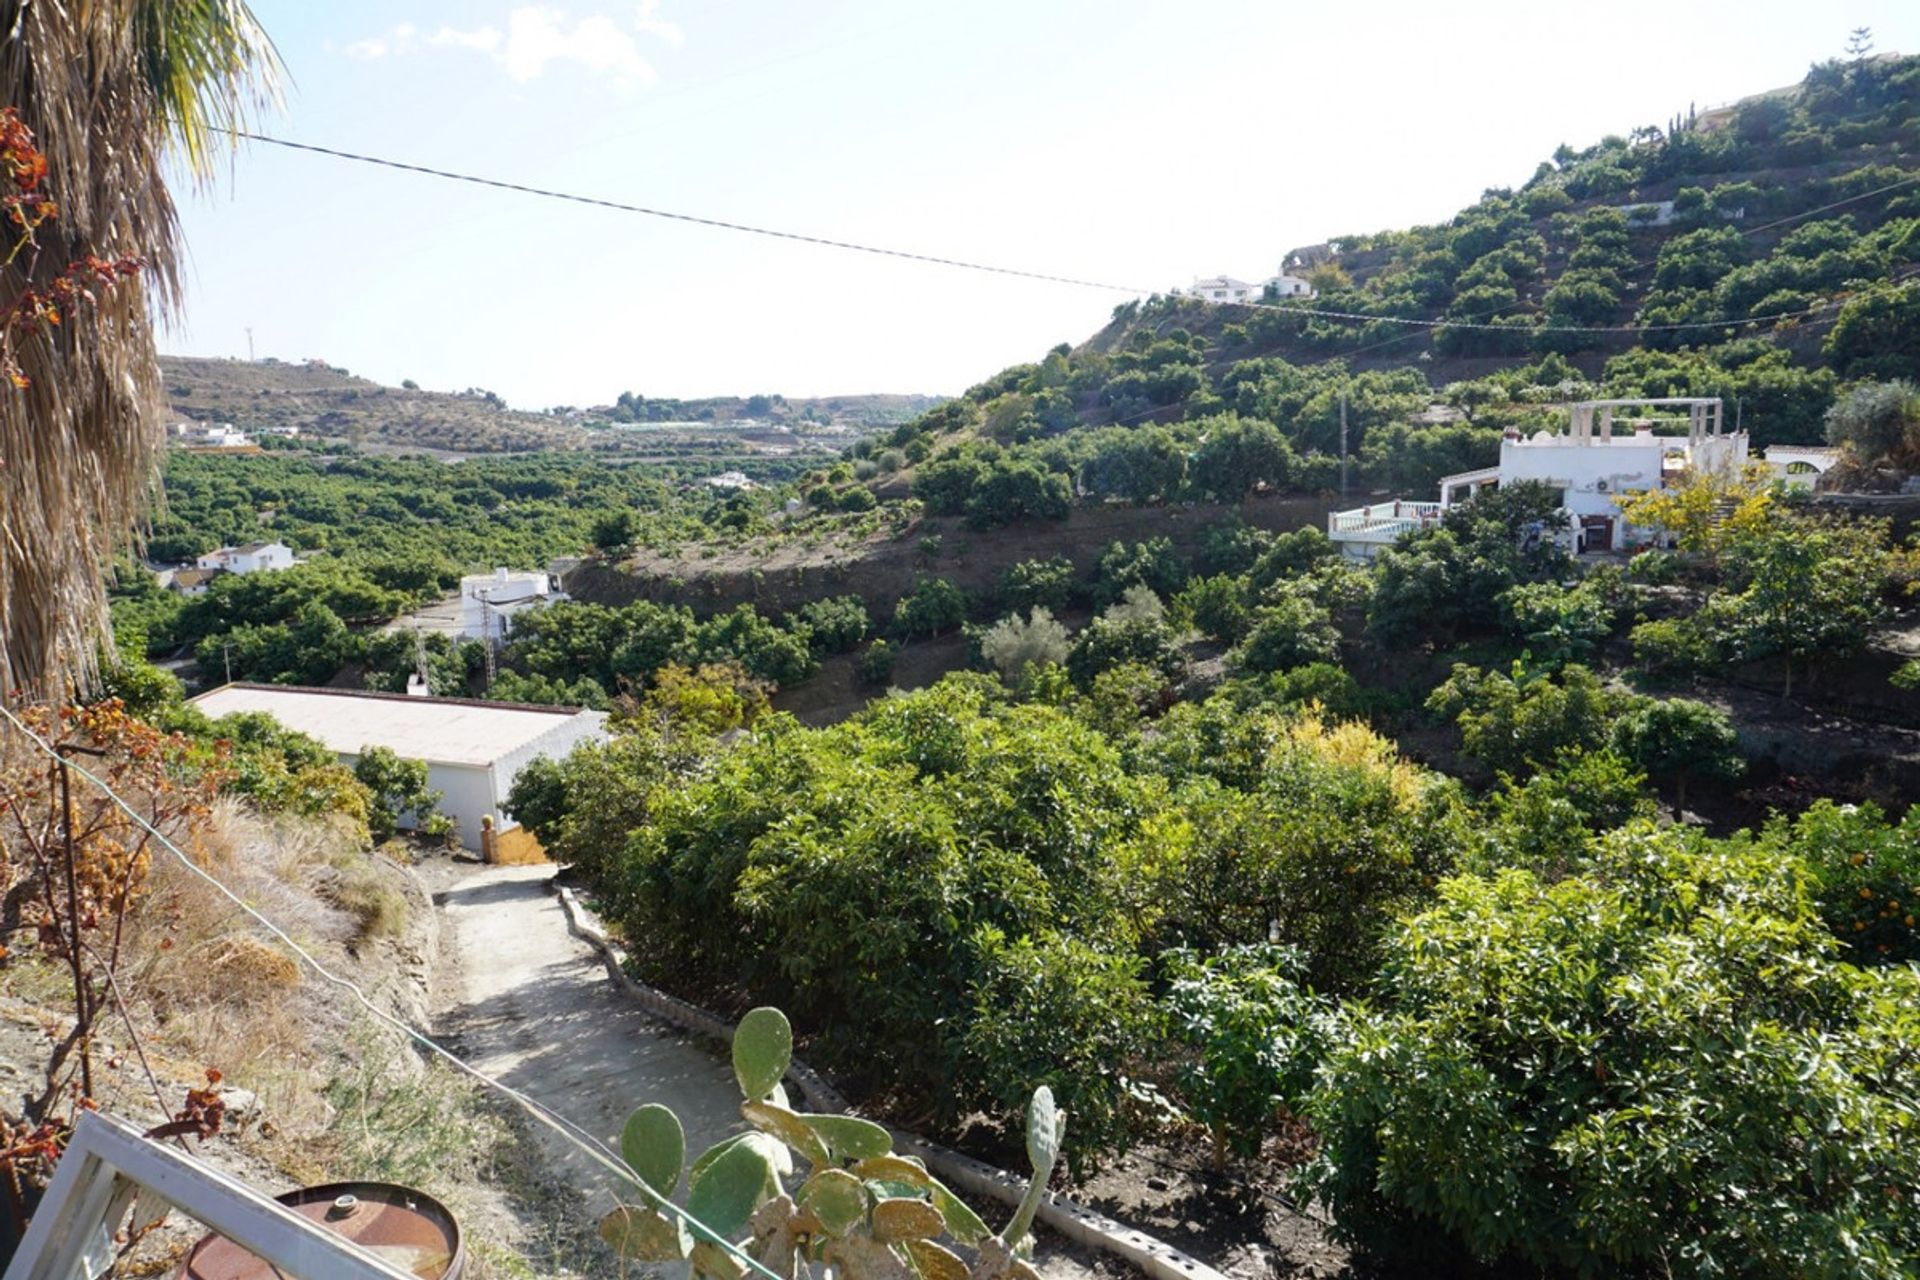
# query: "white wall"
[555,744]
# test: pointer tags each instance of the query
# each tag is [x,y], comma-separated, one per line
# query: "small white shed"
[473,749]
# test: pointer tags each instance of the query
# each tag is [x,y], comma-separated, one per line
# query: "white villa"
[1800,466]
[254,557]
[1592,466]
[489,601]
[1223,289]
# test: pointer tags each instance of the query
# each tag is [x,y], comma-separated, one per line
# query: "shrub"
[1217,607]
[1548,822]
[876,664]
[1011,645]
[834,625]
[1557,624]
[1253,1035]
[1679,739]
[1109,642]
[1866,875]
[1655,568]
[935,605]
[1669,646]
[1154,564]
[1051,1010]
[1654,1068]
[1524,720]
[1290,632]
[1036,583]
[396,788]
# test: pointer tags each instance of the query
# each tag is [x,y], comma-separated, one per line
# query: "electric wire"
[964,263]
[574,1135]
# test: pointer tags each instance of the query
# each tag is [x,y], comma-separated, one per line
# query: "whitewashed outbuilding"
[1800,466]
[473,749]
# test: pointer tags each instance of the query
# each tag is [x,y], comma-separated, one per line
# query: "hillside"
[331,403]
[1766,253]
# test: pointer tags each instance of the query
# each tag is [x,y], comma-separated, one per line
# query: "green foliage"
[1547,823]
[935,605]
[1218,607]
[876,664]
[1865,874]
[1679,739]
[1080,1020]
[1289,631]
[1440,583]
[1651,1068]
[1557,624]
[1283,826]
[582,809]
[1114,640]
[614,532]
[1049,583]
[836,624]
[1154,564]
[1253,1034]
[1878,421]
[1524,720]
[1011,645]
[1878,333]
[397,789]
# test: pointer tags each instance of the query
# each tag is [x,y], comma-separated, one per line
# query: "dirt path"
[536,1011]
[534,1008]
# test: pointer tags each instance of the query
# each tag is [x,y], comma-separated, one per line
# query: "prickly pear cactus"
[853,1207]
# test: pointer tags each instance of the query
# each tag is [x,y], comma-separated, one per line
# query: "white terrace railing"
[1382,521]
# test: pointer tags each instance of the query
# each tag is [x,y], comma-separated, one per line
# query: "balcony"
[1363,530]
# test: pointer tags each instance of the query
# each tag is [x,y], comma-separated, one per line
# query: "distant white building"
[1223,289]
[1286,286]
[209,435]
[473,749]
[729,480]
[1591,467]
[490,601]
[254,557]
[1800,465]
[190,582]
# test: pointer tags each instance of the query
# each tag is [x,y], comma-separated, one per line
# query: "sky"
[1134,142]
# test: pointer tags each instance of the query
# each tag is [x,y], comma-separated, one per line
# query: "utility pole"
[1343,444]
[249,344]
[226,654]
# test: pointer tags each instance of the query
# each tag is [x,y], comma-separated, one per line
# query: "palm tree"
[112,91]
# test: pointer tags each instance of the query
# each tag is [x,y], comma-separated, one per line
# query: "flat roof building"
[473,749]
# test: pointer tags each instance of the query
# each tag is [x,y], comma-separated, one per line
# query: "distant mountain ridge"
[329,402]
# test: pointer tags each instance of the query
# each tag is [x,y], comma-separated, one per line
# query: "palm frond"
[109,88]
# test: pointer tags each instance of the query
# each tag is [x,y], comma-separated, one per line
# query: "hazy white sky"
[1132,141]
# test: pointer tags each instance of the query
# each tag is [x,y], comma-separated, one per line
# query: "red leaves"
[23,165]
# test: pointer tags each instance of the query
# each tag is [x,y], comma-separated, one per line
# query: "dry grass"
[225,994]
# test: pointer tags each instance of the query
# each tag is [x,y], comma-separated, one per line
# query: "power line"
[695,219]
[963,263]
[581,1139]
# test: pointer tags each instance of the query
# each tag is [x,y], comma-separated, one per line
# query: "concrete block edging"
[1156,1258]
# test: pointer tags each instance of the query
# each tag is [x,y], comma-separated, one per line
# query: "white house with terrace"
[489,602]
[1605,456]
